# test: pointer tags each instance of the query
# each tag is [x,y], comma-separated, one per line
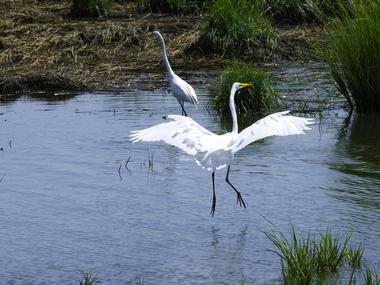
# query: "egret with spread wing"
[218,151]
[180,88]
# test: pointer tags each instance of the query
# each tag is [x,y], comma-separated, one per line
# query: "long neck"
[165,56]
[233,112]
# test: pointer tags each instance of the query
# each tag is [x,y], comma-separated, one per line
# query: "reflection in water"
[358,150]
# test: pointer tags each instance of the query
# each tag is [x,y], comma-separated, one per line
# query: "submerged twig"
[126,164]
[2,178]
[121,178]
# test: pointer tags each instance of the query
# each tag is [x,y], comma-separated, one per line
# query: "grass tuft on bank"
[238,25]
[262,98]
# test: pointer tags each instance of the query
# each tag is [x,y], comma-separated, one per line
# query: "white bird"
[218,150]
[180,88]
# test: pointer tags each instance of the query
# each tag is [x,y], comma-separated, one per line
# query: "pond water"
[69,205]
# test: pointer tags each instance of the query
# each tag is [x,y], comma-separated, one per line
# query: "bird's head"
[238,86]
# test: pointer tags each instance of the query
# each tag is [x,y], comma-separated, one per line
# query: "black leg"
[183,109]
[239,198]
[213,195]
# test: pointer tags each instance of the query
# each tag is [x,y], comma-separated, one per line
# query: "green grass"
[355,256]
[298,262]
[370,277]
[88,279]
[236,25]
[261,98]
[305,260]
[353,55]
[90,8]
[330,252]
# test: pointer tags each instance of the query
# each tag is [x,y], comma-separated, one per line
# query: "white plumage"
[217,151]
[181,90]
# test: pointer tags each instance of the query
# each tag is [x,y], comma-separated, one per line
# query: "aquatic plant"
[307,260]
[261,98]
[354,257]
[353,54]
[370,277]
[238,24]
[90,8]
[298,262]
[88,279]
[330,252]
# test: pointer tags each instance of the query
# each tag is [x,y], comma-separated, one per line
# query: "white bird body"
[218,150]
[181,90]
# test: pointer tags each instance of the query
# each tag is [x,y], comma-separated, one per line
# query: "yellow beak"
[242,85]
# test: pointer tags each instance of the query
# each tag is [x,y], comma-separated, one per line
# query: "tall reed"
[353,54]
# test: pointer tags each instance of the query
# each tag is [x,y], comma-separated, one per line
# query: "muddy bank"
[40,40]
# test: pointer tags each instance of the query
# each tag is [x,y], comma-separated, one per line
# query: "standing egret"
[180,88]
[218,150]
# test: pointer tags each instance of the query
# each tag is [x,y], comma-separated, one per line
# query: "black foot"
[213,207]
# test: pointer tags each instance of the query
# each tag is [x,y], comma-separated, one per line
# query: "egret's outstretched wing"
[179,131]
[277,124]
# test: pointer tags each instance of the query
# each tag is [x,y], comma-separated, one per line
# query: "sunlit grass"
[353,54]
[305,260]
[233,25]
[298,262]
[355,256]
[331,253]
[261,98]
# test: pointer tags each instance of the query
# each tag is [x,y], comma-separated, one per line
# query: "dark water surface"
[64,209]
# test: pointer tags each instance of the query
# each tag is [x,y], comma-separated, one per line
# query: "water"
[64,208]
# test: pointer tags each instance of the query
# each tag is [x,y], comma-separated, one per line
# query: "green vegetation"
[306,261]
[355,256]
[90,8]
[261,98]
[88,279]
[353,55]
[330,252]
[239,24]
[370,277]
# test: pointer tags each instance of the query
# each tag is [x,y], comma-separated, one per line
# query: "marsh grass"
[261,98]
[330,252]
[88,279]
[236,25]
[370,277]
[355,256]
[353,54]
[90,8]
[298,262]
[305,260]
[179,7]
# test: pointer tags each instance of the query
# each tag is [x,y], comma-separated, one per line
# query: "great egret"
[218,150]
[180,88]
